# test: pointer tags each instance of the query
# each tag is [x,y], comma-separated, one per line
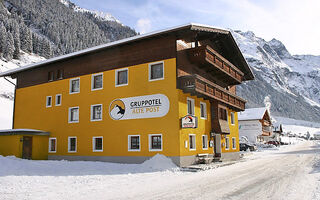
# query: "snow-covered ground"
[288,172]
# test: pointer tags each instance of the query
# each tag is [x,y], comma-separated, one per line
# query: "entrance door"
[27,147]
[217,145]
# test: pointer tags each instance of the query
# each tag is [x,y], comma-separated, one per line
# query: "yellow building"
[171,92]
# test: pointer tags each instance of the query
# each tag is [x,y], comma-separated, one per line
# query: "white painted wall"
[251,129]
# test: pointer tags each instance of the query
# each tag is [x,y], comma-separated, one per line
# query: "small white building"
[255,124]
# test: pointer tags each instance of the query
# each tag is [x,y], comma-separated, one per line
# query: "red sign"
[189,121]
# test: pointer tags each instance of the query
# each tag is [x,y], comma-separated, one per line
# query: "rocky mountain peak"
[279,48]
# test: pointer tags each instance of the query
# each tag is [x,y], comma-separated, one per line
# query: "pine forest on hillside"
[33,27]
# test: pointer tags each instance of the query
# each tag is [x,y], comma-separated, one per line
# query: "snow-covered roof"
[252,114]
[23,131]
[191,26]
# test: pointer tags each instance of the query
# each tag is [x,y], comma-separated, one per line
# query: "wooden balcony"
[198,86]
[205,57]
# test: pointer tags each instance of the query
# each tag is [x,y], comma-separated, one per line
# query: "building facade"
[255,124]
[171,92]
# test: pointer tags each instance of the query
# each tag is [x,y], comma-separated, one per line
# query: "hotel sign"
[189,121]
[148,106]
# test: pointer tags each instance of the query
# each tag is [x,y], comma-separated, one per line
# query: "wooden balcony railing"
[206,57]
[197,85]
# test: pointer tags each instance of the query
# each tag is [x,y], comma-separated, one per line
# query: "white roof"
[126,40]
[252,114]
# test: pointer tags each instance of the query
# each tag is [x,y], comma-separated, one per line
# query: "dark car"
[275,143]
[245,146]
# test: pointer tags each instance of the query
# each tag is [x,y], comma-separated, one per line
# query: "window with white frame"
[156,71]
[97,144]
[72,144]
[97,81]
[155,142]
[121,77]
[190,106]
[192,142]
[204,142]
[58,99]
[203,110]
[52,145]
[96,112]
[134,143]
[232,118]
[73,114]
[227,143]
[48,101]
[74,85]
[234,143]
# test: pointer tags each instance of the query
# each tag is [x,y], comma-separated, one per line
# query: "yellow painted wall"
[31,112]
[204,126]
[40,146]
[10,145]
[234,132]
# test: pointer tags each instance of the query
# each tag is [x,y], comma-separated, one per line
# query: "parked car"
[275,143]
[245,146]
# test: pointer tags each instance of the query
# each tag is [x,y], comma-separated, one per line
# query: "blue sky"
[294,22]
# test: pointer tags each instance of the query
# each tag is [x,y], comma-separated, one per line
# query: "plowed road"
[289,173]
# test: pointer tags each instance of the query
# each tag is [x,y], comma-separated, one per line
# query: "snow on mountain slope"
[294,79]
[98,14]
[7,89]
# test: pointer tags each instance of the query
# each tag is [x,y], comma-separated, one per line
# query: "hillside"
[52,27]
[291,82]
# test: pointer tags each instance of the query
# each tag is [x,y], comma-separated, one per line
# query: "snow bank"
[158,162]
[11,165]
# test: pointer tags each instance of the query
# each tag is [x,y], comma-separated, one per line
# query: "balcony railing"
[267,129]
[206,57]
[197,85]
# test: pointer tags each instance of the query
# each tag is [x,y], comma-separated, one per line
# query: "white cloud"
[143,25]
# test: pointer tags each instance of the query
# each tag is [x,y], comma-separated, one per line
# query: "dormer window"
[50,76]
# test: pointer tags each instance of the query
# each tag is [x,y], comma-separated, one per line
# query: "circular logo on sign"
[117,109]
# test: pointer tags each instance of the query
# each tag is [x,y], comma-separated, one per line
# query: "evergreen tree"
[9,48]
[26,39]
[2,39]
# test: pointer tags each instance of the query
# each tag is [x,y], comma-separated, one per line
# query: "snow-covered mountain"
[98,14]
[292,82]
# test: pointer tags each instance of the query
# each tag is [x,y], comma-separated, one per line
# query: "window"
[227,143]
[52,145]
[97,81]
[156,71]
[74,85]
[155,142]
[121,77]
[223,114]
[96,112]
[72,144]
[58,99]
[203,110]
[97,144]
[134,143]
[50,76]
[190,106]
[204,142]
[74,115]
[232,118]
[48,101]
[192,142]
[234,143]
[60,74]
